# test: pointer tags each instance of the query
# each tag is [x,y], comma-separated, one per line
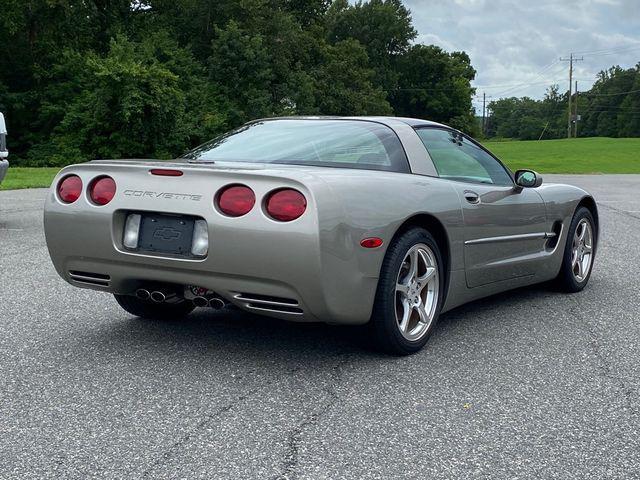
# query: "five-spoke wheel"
[409,295]
[417,292]
[582,250]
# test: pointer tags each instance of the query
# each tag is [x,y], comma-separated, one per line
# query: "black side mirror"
[528,179]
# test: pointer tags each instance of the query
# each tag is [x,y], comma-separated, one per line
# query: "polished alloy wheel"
[582,250]
[416,295]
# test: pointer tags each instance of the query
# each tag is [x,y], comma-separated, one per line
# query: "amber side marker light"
[373,242]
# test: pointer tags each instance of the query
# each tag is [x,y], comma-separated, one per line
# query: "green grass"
[580,155]
[28,178]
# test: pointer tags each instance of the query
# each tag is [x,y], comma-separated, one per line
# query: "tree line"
[84,79]
[611,108]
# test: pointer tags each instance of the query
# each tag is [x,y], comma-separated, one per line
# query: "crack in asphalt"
[205,422]
[294,436]
[609,372]
[61,460]
[620,211]
[604,365]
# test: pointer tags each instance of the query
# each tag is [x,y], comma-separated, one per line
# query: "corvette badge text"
[167,195]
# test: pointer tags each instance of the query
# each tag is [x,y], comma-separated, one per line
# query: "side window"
[457,158]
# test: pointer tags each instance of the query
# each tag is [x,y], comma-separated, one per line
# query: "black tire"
[384,325]
[152,310]
[566,280]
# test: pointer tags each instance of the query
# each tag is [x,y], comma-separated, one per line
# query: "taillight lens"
[102,190]
[70,189]
[286,204]
[236,200]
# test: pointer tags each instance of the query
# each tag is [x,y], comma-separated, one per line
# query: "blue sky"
[515,45]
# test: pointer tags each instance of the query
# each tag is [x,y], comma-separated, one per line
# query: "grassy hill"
[577,155]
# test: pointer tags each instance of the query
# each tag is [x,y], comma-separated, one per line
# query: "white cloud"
[520,42]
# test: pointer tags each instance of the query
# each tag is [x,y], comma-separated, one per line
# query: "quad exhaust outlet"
[206,298]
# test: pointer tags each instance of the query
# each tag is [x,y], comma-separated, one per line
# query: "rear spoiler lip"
[183,163]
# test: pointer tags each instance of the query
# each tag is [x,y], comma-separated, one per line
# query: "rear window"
[326,143]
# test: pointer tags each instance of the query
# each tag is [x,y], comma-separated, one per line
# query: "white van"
[4,153]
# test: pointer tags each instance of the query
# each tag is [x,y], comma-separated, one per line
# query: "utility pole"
[575,118]
[571,59]
[484,110]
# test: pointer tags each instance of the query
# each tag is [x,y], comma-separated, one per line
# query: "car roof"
[386,120]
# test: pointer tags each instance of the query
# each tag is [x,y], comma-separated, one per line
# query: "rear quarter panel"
[376,204]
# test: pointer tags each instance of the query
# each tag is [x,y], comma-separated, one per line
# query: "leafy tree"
[129,103]
[436,85]
[629,111]
[151,78]
[383,27]
[240,64]
[605,101]
[342,83]
[610,108]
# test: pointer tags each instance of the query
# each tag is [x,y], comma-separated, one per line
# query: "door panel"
[505,232]
[505,226]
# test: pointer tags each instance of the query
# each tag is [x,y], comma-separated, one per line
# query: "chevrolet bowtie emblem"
[167,233]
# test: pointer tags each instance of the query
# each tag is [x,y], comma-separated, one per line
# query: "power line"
[544,70]
[525,84]
[617,52]
[611,94]
[608,51]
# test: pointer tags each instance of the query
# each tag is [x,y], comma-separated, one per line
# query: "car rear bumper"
[283,270]
[4,166]
[268,296]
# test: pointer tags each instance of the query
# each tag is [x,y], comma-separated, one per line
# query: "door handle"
[471,197]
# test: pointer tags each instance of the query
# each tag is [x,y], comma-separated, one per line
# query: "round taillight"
[102,190]
[236,200]
[70,188]
[286,205]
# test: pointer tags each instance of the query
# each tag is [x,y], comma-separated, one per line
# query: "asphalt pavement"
[528,384]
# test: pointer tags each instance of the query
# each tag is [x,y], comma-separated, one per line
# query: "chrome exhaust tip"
[143,294]
[158,296]
[216,303]
[200,302]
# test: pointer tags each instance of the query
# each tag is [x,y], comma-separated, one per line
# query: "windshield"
[327,143]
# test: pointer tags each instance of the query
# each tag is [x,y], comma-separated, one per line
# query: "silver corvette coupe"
[381,221]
